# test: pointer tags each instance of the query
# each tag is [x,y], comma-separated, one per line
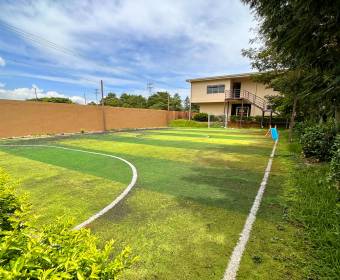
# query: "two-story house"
[230,95]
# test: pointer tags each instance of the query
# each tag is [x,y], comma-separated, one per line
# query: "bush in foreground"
[317,141]
[53,252]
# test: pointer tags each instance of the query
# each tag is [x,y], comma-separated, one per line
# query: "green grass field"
[183,218]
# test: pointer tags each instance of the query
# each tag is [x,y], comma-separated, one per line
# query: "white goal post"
[217,121]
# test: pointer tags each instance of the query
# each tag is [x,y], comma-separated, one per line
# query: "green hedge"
[244,118]
[201,117]
[53,251]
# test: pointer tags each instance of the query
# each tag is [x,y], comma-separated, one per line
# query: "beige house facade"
[229,95]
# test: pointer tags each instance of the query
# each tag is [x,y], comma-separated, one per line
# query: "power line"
[37,39]
[149,87]
[85,98]
[96,93]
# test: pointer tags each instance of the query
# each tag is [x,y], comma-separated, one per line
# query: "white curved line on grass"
[113,203]
[236,256]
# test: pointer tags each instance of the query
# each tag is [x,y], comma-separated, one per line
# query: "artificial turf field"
[183,218]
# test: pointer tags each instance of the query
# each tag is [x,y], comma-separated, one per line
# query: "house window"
[245,111]
[236,109]
[215,89]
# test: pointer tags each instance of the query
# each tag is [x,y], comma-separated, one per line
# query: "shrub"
[300,127]
[12,207]
[235,118]
[335,162]
[317,141]
[201,117]
[51,252]
[214,118]
[275,119]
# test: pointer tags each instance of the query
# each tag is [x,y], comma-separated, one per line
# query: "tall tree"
[111,100]
[194,107]
[176,103]
[300,44]
[187,103]
[132,101]
[159,100]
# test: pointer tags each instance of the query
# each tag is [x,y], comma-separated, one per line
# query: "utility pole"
[168,101]
[103,108]
[149,87]
[85,98]
[35,92]
[189,115]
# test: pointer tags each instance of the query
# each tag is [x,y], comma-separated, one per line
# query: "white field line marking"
[113,203]
[236,256]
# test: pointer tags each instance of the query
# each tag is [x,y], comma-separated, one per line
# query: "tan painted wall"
[214,103]
[21,118]
[256,88]
[199,91]
[212,108]
[218,109]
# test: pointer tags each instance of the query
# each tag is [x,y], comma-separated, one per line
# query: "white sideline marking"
[236,256]
[113,203]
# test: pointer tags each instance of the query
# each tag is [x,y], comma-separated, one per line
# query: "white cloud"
[2,85]
[82,80]
[193,37]
[2,61]
[29,93]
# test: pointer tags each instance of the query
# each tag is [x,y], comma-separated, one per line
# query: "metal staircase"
[246,96]
[257,101]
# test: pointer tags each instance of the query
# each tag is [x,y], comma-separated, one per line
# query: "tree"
[52,100]
[159,101]
[305,31]
[92,103]
[111,100]
[194,107]
[133,101]
[187,103]
[176,103]
[301,51]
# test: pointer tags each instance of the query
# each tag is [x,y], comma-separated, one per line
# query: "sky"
[64,48]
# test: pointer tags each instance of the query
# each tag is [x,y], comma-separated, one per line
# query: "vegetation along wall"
[21,118]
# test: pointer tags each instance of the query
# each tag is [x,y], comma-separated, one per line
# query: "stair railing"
[244,94]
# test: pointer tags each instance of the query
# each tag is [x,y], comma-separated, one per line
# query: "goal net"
[216,121]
